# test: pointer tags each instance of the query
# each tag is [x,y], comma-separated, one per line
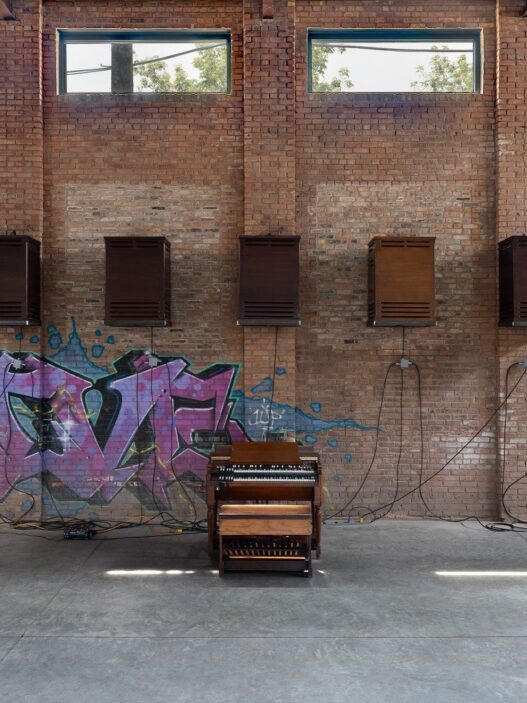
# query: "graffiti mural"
[260,416]
[94,436]
[147,421]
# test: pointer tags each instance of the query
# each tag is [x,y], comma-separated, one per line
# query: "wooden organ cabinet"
[264,506]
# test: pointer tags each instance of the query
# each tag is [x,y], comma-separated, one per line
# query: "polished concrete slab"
[133,618]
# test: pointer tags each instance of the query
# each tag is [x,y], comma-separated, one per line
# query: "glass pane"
[181,67]
[392,66]
[88,68]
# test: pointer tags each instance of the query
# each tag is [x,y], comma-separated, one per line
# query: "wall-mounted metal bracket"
[404,363]
[153,361]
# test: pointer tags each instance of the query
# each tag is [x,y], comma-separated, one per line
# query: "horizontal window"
[395,61]
[107,61]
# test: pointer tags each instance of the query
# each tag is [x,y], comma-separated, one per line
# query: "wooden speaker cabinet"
[19,281]
[401,291]
[137,281]
[513,281]
[269,280]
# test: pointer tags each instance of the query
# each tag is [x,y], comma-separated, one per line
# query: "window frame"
[475,35]
[100,36]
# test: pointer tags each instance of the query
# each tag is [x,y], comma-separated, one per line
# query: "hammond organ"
[263,472]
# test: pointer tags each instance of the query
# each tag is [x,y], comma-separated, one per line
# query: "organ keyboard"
[263,472]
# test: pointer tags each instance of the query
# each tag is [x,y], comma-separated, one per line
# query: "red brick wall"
[21,123]
[269,157]
[269,168]
[21,161]
[400,165]
[168,165]
[511,155]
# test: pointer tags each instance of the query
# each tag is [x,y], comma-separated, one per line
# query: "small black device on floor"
[78,532]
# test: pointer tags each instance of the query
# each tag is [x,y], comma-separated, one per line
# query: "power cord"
[454,456]
[273,381]
[375,447]
[398,464]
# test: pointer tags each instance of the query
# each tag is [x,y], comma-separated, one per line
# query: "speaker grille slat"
[406,310]
[269,310]
[11,310]
[134,309]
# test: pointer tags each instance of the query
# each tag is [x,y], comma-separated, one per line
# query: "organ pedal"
[269,537]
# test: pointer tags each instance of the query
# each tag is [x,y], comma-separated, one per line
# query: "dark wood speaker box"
[269,269]
[513,281]
[137,281]
[19,281]
[401,289]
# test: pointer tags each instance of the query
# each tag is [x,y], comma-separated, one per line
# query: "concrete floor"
[375,623]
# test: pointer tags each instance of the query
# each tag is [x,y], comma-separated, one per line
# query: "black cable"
[153,425]
[44,474]
[399,50]
[198,525]
[421,435]
[30,532]
[423,482]
[139,452]
[504,527]
[421,469]
[366,475]
[504,449]
[171,520]
[398,463]
[166,519]
[161,512]
[504,491]
[173,430]
[401,432]
[490,526]
[101,69]
[452,458]
[273,377]
[180,531]
[8,444]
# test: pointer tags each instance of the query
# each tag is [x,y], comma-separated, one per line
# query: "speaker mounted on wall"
[401,288]
[513,281]
[19,281]
[137,282]
[269,276]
